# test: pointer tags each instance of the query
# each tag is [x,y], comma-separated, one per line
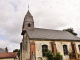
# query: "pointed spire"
[28,13]
[28,19]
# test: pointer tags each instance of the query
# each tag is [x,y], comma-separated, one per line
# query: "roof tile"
[8,55]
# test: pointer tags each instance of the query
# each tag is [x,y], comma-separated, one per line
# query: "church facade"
[36,39]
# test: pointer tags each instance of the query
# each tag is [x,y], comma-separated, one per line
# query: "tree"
[17,50]
[71,31]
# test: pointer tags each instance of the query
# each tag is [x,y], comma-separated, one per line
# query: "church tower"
[28,23]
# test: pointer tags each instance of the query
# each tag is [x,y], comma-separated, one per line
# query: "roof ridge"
[48,29]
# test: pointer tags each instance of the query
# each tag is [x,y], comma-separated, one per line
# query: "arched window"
[79,47]
[44,49]
[65,50]
[29,25]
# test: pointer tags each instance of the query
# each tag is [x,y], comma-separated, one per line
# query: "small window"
[65,50]
[29,25]
[79,47]
[44,49]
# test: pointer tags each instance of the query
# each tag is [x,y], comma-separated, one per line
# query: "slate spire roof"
[28,13]
[28,17]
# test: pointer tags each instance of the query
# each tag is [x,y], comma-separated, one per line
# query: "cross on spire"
[28,6]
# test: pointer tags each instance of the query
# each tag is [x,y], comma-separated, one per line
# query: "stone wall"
[25,48]
[77,43]
[59,46]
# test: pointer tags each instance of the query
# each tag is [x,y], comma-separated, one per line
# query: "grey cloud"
[49,14]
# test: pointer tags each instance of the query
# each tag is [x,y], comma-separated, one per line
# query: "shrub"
[78,55]
[50,55]
[58,56]
[72,54]
[40,58]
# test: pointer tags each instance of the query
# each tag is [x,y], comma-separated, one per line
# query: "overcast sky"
[49,14]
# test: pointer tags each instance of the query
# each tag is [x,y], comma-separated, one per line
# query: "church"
[36,39]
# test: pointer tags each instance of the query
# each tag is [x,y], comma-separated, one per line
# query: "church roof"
[48,34]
